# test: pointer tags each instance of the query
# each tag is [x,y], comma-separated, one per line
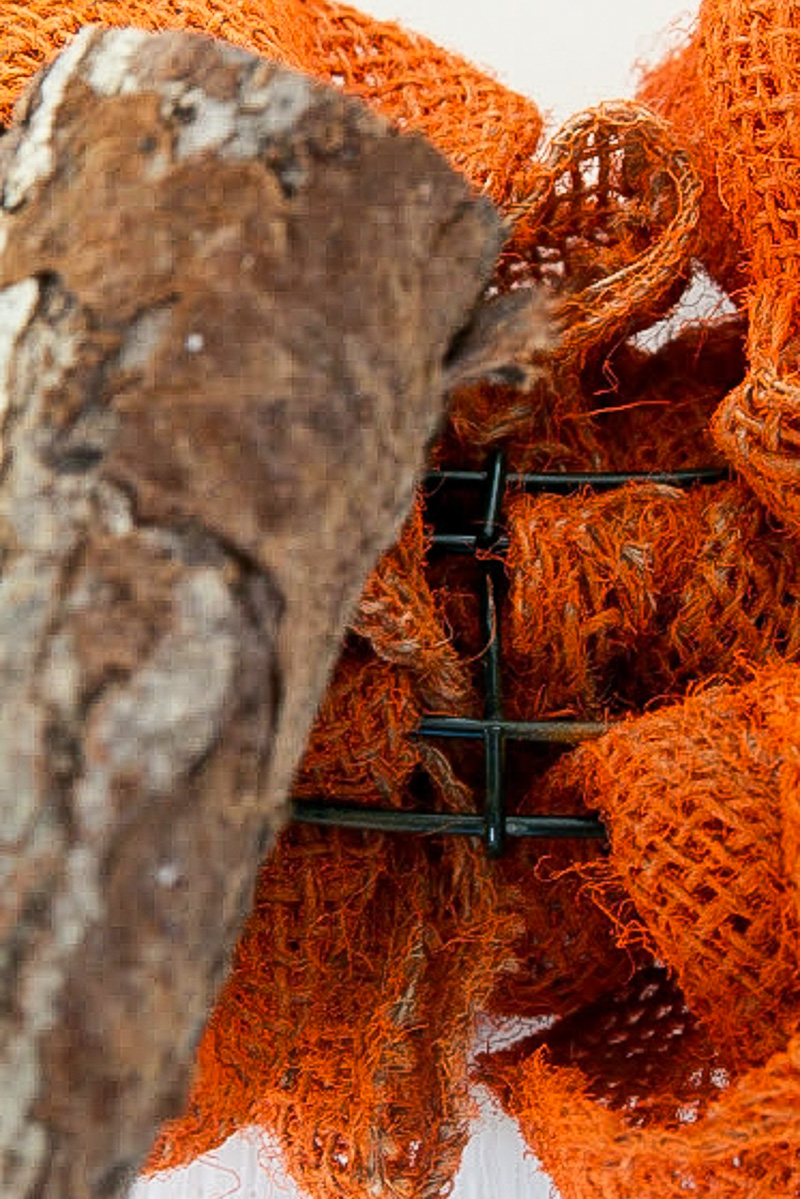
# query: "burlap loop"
[610,222]
[731,94]
[748,81]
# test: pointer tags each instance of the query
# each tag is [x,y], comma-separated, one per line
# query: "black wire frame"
[494,825]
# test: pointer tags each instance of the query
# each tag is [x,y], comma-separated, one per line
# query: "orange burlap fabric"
[668,965]
[732,92]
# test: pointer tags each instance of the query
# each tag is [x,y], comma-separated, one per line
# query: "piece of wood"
[230,302]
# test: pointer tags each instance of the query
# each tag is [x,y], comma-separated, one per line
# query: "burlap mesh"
[615,599]
[611,220]
[748,55]
[672,89]
[744,1146]
[321,1034]
[409,78]
[695,805]
[640,1047]
[669,965]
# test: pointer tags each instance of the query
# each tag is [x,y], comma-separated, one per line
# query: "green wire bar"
[494,825]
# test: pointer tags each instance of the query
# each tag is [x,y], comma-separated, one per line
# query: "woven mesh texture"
[612,219]
[322,1033]
[672,89]
[701,803]
[695,802]
[398,663]
[669,963]
[748,55]
[617,598]
[743,1146]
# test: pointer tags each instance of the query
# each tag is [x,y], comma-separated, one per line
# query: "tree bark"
[230,301]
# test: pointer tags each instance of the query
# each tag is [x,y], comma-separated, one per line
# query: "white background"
[566,55]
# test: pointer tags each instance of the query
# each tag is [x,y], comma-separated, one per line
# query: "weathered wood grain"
[231,301]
